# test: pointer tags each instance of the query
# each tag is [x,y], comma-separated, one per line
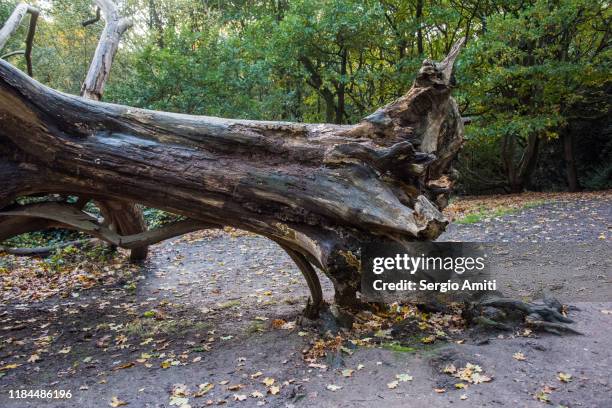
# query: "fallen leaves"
[564,377]
[320,348]
[449,369]
[9,367]
[403,377]
[178,401]
[347,372]
[116,402]
[203,389]
[471,373]
[519,356]
[124,366]
[64,273]
[392,385]
[278,323]
[428,339]
[542,397]
[33,358]
[282,324]
[257,394]
[180,396]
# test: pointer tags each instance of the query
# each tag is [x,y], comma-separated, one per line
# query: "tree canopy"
[533,82]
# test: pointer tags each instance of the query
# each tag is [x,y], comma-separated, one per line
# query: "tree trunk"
[319,190]
[570,163]
[518,173]
[125,217]
[99,69]
[12,24]
[419,20]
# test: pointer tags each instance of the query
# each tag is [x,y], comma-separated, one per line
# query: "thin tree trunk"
[419,20]
[570,163]
[99,69]
[125,217]
[341,87]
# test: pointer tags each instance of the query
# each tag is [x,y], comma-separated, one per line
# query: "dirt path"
[202,311]
[571,218]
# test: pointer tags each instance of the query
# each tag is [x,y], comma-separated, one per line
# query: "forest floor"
[214,319]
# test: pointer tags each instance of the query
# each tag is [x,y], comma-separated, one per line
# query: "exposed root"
[46,251]
[498,312]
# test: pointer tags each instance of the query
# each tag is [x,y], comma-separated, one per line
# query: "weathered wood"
[100,67]
[319,190]
[124,217]
[314,285]
[12,24]
[68,216]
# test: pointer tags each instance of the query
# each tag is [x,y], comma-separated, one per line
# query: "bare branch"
[30,40]
[99,70]
[12,25]
[92,20]
[13,22]
[68,216]
[12,54]
[47,250]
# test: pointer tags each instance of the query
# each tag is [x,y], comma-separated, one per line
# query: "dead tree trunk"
[124,217]
[12,24]
[319,190]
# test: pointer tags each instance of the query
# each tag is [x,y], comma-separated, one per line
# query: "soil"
[208,309]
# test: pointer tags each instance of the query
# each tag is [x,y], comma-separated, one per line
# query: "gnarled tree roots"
[498,312]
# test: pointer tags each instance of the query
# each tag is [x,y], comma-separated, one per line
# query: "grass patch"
[149,327]
[395,346]
[483,212]
[227,305]
[255,327]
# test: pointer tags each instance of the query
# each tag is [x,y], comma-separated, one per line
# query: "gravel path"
[577,220]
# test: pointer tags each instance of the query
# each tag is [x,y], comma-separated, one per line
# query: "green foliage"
[45,238]
[537,69]
[157,218]
[533,68]
[599,178]
[71,255]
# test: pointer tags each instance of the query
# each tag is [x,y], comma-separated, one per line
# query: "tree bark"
[125,217]
[573,184]
[419,20]
[12,24]
[518,173]
[320,190]
[99,69]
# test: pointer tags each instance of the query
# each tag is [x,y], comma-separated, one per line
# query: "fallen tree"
[318,190]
